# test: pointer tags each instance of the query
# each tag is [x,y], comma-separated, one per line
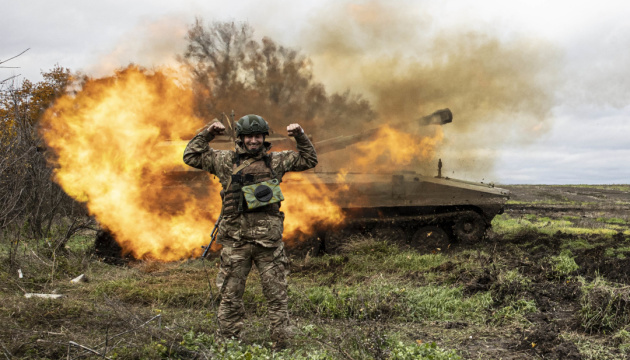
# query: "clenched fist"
[216,128]
[295,130]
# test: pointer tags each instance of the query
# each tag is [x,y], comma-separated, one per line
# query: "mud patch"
[604,308]
[479,282]
[594,262]
[543,340]
[540,245]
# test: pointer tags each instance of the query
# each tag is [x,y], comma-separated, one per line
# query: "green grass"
[564,264]
[506,225]
[578,244]
[622,340]
[368,256]
[79,243]
[614,220]
[514,312]
[605,306]
[232,349]
[619,253]
[374,301]
[592,348]
[513,275]
[398,350]
[385,300]
[393,263]
[510,226]
[401,351]
[559,201]
[155,293]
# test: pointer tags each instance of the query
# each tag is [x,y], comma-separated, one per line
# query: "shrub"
[604,307]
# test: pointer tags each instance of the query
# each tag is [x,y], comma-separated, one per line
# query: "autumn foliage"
[31,205]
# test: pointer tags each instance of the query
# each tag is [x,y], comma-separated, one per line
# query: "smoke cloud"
[149,44]
[501,90]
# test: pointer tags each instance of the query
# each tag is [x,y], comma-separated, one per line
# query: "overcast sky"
[587,141]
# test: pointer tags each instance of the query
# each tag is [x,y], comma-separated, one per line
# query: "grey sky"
[588,137]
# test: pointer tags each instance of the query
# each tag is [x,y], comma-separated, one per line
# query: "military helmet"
[251,124]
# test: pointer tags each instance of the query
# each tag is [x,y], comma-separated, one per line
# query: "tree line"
[231,70]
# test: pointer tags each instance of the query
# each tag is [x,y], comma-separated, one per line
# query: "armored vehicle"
[401,206]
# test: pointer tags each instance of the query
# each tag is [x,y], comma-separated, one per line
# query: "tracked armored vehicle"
[401,206]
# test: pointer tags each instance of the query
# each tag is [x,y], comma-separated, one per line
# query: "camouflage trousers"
[273,267]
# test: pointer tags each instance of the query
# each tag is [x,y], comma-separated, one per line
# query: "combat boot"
[279,340]
[279,345]
[226,335]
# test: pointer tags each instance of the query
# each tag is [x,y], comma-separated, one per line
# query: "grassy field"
[548,281]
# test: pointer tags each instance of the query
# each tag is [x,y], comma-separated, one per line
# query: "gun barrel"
[439,117]
[342,142]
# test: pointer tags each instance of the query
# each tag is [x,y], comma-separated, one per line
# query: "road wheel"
[469,227]
[431,238]
[391,234]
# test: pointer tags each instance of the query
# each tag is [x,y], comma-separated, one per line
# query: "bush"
[564,264]
[604,307]
[421,351]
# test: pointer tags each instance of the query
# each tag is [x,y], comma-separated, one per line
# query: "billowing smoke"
[501,90]
[150,44]
[356,66]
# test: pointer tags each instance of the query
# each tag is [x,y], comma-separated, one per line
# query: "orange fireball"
[106,137]
[108,140]
[392,149]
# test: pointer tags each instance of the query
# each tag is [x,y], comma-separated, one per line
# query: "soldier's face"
[253,142]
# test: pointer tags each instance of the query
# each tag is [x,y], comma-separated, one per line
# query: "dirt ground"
[572,318]
[560,298]
[561,200]
[555,270]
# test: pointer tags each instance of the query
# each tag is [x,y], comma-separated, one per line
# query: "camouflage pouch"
[262,193]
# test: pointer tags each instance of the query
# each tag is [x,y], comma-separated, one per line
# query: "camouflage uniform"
[251,236]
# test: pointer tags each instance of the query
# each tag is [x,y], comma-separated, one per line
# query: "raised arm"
[198,153]
[306,157]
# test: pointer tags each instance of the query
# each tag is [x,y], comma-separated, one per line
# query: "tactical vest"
[256,172]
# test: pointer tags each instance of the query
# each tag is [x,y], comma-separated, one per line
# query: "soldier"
[251,227]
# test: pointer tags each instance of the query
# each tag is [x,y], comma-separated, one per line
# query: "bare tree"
[31,205]
[231,70]
[10,67]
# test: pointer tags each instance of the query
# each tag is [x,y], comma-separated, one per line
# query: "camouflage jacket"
[258,227]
